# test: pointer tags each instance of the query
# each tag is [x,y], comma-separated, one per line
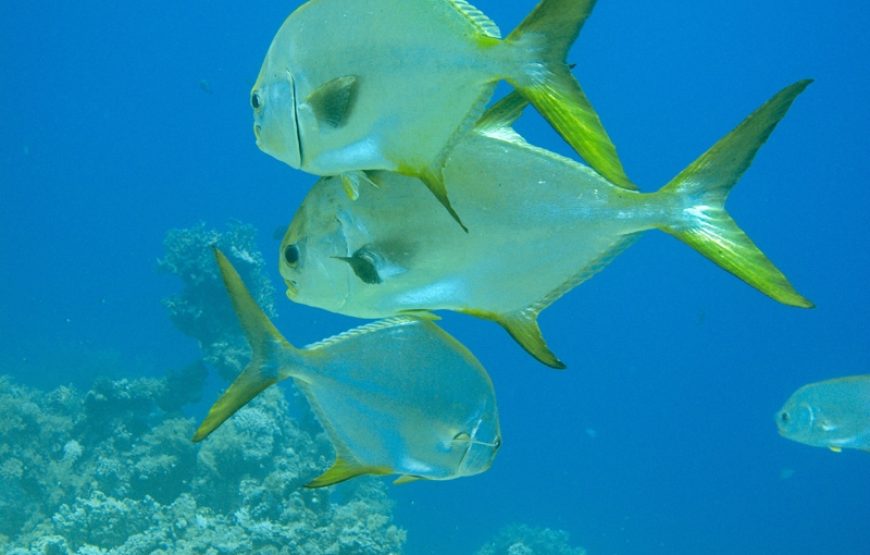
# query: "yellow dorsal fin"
[406,479]
[342,470]
[479,19]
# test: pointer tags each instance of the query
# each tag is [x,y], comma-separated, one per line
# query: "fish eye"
[783,416]
[291,254]
[256,102]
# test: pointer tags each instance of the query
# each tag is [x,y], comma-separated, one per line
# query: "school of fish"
[429,201]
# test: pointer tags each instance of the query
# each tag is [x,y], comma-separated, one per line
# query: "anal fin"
[434,181]
[522,325]
[342,470]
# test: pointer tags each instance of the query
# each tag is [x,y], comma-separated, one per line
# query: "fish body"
[833,413]
[398,396]
[540,224]
[348,86]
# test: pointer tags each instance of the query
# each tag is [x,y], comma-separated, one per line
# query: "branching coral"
[202,309]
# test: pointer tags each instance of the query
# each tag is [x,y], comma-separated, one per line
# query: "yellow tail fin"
[266,343]
[546,35]
[707,181]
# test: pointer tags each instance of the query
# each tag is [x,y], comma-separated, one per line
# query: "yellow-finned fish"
[352,85]
[540,224]
[398,396]
[833,413]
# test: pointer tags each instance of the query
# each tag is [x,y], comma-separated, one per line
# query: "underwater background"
[123,121]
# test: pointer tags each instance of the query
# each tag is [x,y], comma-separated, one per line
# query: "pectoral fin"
[343,470]
[363,268]
[835,448]
[352,181]
[333,101]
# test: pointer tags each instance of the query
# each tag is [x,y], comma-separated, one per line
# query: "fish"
[833,413]
[541,225]
[397,396]
[347,86]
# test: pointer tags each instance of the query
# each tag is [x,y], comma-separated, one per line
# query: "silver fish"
[350,85]
[398,396]
[832,413]
[540,224]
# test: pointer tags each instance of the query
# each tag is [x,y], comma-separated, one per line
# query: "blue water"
[122,120]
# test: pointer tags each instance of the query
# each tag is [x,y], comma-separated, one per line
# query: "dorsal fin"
[477,18]
[332,102]
[362,330]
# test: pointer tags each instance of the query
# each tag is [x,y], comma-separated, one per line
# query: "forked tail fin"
[707,226]
[266,342]
[544,38]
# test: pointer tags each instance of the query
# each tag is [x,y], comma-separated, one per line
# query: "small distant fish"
[351,85]
[833,413]
[540,224]
[399,396]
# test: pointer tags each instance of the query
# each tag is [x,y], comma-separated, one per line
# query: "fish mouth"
[292,290]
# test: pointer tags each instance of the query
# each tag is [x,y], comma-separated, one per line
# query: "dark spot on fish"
[291,254]
[333,101]
[783,416]
[364,265]
[256,103]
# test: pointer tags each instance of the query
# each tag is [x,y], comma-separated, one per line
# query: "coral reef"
[520,539]
[113,471]
[202,309]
